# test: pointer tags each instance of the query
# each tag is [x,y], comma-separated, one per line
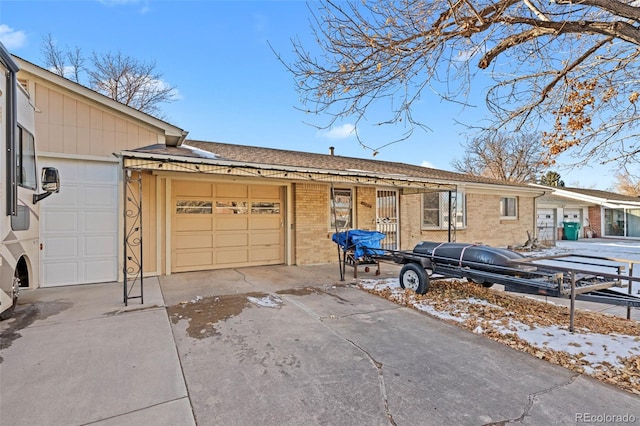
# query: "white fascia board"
[605,202]
[503,188]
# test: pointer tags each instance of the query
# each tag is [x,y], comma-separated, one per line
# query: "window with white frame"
[341,210]
[509,207]
[435,210]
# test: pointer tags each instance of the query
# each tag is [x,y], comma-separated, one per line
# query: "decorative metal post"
[132,250]
[573,301]
[630,289]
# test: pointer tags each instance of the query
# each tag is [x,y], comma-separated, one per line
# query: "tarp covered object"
[470,255]
[363,243]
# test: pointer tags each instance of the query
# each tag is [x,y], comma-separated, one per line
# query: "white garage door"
[573,215]
[79,225]
[546,224]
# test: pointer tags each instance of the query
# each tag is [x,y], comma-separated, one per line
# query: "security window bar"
[341,209]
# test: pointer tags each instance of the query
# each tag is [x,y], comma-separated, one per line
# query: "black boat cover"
[467,255]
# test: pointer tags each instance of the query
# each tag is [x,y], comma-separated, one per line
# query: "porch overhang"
[222,167]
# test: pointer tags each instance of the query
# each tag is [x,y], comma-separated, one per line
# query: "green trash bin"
[571,230]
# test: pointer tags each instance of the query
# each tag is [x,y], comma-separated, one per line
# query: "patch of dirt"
[310,290]
[299,291]
[452,296]
[204,313]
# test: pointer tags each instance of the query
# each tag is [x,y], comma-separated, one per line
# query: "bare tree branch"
[125,79]
[568,69]
[53,56]
[512,158]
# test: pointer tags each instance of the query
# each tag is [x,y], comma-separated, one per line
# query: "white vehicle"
[19,222]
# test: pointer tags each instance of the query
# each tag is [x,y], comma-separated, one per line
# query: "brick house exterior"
[307,181]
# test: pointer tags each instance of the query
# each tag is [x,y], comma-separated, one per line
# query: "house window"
[341,211]
[622,222]
[265,207]
[509,207]
[435,210]
[193,207]
[231,207]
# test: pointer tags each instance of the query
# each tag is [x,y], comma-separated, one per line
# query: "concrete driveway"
[272,346]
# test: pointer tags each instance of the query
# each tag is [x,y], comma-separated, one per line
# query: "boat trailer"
[574,276]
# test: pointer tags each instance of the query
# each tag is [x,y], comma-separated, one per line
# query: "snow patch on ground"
[597,351]
[266,301]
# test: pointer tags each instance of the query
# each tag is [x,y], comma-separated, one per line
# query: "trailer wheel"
[414,277]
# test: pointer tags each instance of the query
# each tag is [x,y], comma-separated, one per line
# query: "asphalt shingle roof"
[280,157]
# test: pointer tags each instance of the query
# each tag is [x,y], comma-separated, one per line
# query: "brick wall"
[483,222]
[595,220]
[485,225]
[313,243]
[365,207]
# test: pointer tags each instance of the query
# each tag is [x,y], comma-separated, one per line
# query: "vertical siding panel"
[83,128]
[108,134]
[55,108]
[70,112]
[42,118]
[97,132]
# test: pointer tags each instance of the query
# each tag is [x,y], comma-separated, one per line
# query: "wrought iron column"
[132,250]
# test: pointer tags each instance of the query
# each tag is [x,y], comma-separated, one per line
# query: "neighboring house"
[205,205]
[599,213]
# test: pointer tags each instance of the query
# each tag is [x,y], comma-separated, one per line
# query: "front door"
[387,217]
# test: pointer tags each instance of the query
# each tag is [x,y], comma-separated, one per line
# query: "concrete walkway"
[271,346]
[76,355]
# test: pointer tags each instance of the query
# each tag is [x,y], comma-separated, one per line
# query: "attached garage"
[79,226]
[222,225]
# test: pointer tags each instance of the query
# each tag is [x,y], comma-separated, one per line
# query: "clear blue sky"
[231,87]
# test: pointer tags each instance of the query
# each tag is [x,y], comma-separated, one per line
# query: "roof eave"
[605,202]
[291,169]
[371,176]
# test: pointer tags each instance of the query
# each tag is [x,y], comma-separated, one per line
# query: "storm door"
[387,217]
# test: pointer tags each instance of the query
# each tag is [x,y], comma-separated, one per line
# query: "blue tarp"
[361,242]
